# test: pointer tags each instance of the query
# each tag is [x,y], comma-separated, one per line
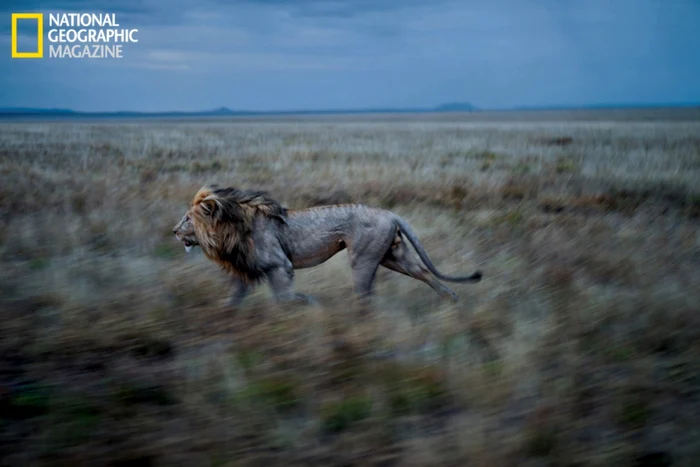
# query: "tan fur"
[254,238]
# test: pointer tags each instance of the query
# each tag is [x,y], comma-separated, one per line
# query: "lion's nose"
[175,231]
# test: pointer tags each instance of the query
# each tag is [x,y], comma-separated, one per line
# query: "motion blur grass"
[580,346]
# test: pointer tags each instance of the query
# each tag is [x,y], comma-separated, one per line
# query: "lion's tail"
[411,236]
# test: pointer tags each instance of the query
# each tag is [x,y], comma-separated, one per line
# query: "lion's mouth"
[188,245]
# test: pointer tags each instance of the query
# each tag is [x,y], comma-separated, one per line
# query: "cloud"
[253,62]
[140,12]
[357,53]
[340,8]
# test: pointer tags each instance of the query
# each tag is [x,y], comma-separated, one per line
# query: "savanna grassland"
[580,347]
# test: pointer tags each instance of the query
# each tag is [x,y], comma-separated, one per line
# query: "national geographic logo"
[74,35]
[39,17]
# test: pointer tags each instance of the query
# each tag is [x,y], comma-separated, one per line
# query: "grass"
[579,347]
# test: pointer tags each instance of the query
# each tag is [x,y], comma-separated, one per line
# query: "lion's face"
[184,231]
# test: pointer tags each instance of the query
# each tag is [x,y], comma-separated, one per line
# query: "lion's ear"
[208,207]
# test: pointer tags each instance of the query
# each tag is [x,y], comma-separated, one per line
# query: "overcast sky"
[324,54]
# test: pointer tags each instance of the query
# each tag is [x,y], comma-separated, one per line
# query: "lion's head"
[184,231]
[221,222]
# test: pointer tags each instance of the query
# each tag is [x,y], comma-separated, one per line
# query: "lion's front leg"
[240,290]
[282,285]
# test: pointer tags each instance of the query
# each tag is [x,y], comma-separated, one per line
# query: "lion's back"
[334,215]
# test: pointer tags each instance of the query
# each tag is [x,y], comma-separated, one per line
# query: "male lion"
[254,238]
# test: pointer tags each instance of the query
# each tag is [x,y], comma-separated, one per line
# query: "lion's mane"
[224,220]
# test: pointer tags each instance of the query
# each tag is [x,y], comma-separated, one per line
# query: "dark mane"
[224,220]
[233,200]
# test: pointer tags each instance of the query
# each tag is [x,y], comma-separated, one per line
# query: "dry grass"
[579,347]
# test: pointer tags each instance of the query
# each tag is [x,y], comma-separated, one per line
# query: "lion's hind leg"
[399,259]
[366,251]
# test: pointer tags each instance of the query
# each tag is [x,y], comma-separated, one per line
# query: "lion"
[255,239]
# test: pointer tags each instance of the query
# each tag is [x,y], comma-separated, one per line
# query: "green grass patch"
[541,443]
[280,393]
[130,394]
[341,415]
[30,400]
[413,390]
[634,412]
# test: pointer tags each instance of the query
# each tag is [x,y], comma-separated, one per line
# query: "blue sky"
[324,54]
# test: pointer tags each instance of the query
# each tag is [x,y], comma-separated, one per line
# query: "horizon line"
[441,108]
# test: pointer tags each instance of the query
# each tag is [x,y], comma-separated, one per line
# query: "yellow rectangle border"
[39,17]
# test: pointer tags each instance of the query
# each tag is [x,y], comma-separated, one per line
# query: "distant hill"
[29,112]
[221,111]
[38,112]
[623,106]
[456,107]
[224,111]
[8,113]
